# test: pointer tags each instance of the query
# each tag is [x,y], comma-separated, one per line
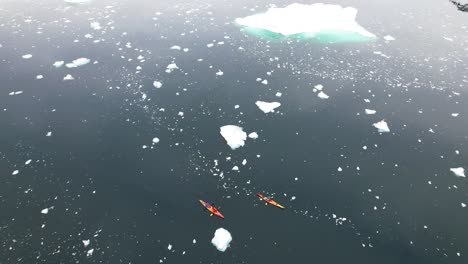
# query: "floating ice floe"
[15,93]
[253,135]
[389,38]
[45,211]
[278,94]
[27,56]
[382,126]
[58,64]
[194,241]
[15,172]
[322,95]
[459,172]
[370,112]
[234,136]
[90,252]
[157,84]
[169,247]
[49,134]
[311,19]
[455,114]
[27,162]
[78,62]
[155,140]
[68,78]
[171,67]
[219,73]
[267,107]
[95,25]
[86,243]
[221,239]
[175,47]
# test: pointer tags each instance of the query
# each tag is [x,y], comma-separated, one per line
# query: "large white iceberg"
[234,136]
[267,107]
[311,19]
[221,239]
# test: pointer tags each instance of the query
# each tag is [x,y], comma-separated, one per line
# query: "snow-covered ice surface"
[312,19]
[221,239]
[135,136]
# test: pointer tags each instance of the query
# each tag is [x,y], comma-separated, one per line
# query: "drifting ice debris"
[323,95]
[27,162]
[77,63]
[267,107]
[68,78]
[39,77]
[265,82]
[235,168]
[318,87]
[253,135]
[463,205]
[219,73]
[16,93]
[175,47]
[382,126]
[157,84]
[389,38]
[312,19]
[90,252]
[27,56]
[169,247]
[459,172]
[15,172]
[155,140]
[86,243]
[95,25]
[370,112]
[171,67]
[45,211]
[234,136]
[49,134]
[194,241]
[221,239]
[58,64]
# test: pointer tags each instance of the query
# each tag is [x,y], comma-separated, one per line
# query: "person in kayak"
[461,7]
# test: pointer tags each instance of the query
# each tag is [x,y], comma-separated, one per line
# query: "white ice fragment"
[234,136]
[389,38]
[382,126]
[235,168]
[265,82]
[370,112]
[95,25]
[175,47]
[293,198]
[90,252]
[459,172]
[267,107]
[463,205]
[301,18]
[15,172]
[27,162]
[455,114]
[219,73]
[194,241]
[155,140]
[157,84]
[27,56]
[340,169]
[86,243]
[78,62]
[49,134]
[58,64]
[323,95]
[253,135]
[45,211]
[318,87]
[221,239]
[68,78]
[244,162]
[38,77]
[171,67]
[278,94]
[169,247]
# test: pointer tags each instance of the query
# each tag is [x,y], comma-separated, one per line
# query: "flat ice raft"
[311,19]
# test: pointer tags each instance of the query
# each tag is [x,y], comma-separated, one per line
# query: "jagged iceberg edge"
[311,19]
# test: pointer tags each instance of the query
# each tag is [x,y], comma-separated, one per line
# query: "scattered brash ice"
[171,67]
[221,239]
[234,136]
[382,126]
[267,107]
[312,19]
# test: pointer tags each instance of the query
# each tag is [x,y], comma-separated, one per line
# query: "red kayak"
[268,200]
[212,209]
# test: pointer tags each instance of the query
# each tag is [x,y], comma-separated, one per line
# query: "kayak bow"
[212,209]
[269,201]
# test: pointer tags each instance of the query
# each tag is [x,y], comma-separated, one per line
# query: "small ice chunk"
[244,162]
[278,94]
[219,73]
[234,136]
[157,84]
[15,172]
[45,211]
[68,78]
[27,56]
[175,47]
[221,239]
[194,241]
[459,172]
[95,25]
[318,87]
[90,252]
[38,77]
[455,114]
[169,247]
[463,205]
[389,38]
[370,112]
[58,64]
[253,135]
[86,243]
[382,126]
[49,134]
[78,62]
[265,82]
[155,140]
[340,169]
[235,168]
[171,67]
[267,107]
[323,95]
[28,161]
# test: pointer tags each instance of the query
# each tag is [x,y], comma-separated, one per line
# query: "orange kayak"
[269,201]
[212,209]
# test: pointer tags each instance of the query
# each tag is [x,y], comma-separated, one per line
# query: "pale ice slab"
[323,95]
[157,84]
[27,56]
[301,18]
[86,243]
[234,136]
[459,172]
[15,172]
[221,239]
[68,78]
[389,38]
[58,64]
[267,107]
[78,62]
[370,112]
[171,67]
[382,126]
[45,211]
[253,135]
[155,140]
